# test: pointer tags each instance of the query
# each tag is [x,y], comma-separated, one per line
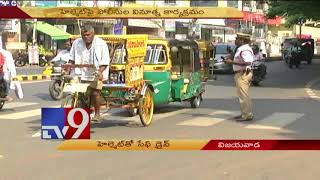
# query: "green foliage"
[44,51]
[293,11]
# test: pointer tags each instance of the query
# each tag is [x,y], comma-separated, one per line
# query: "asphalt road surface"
[286,106]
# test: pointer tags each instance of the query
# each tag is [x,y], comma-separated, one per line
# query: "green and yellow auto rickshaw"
[173,69]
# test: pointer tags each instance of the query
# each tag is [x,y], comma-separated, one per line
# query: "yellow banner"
[132,145]
[134,12]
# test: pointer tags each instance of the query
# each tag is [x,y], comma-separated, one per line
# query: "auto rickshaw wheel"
[133,112]
[146,107]
[195,102]
[2,104]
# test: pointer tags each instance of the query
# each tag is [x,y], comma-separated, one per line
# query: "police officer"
[241,62]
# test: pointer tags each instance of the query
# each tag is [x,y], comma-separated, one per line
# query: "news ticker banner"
[187,145]
[121,12]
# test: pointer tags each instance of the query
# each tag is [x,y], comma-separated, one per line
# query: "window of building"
[232,3]
[259,5]
[156,54]
[170,1]
[203,3]
[246,3]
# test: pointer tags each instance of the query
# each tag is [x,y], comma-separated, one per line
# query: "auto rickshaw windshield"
[155,54]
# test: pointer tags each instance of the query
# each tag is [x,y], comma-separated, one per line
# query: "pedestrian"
[90,49]
[241,62]
[7,70]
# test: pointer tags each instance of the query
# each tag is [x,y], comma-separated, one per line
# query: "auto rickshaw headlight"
[174,49]
[130,94]
[105,93]
[132,91]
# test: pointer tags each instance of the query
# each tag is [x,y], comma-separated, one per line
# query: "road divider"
[34,77]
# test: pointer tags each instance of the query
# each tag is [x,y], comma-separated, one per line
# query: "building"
[55,27]
[204,29]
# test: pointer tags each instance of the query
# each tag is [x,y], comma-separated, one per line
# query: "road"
[286,106]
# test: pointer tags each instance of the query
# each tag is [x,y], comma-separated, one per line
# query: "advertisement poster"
[117,28]
[33,54]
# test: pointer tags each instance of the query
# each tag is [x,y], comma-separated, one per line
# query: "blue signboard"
[117,28]
[46,3]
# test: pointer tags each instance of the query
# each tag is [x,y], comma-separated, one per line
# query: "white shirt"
[97,55]
[9,67]
[258,56]
[244,54]
[63,55]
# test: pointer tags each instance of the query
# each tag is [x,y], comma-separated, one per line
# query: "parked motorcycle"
[21,59]
[58,81]
[259,70]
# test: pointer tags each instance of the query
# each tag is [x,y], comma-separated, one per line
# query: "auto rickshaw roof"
[183,42]
[297,40]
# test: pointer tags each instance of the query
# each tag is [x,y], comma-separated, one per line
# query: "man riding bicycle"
[90,49]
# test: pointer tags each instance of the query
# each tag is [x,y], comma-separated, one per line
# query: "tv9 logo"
[65,123]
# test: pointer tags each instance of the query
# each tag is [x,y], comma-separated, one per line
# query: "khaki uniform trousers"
[243,82]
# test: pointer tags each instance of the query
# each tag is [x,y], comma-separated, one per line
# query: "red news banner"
[222,145]
[263,145]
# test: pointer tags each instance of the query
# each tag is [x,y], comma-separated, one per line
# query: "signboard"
[46,3]
[5,25]
[170,25]
[197,31]
[73,3]
[180,36]
[110,3]
[62,27]
[149,23]
[16,45]
[33,54]
[117,28]
[87,3]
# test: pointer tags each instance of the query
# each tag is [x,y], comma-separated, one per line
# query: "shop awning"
[54,32]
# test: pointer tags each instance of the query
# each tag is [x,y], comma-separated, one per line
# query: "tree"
[294,11]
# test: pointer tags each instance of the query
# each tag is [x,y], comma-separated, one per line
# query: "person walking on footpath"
[241,62]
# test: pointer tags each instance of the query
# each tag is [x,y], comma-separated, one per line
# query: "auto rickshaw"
[173,69]
[126,86]
[206,55]
[295,50]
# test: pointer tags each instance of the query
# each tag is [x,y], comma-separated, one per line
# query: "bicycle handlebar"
[77,66]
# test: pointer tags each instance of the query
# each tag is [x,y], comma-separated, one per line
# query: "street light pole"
[34,39]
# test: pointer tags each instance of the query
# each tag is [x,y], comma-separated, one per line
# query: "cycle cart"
[125,87]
